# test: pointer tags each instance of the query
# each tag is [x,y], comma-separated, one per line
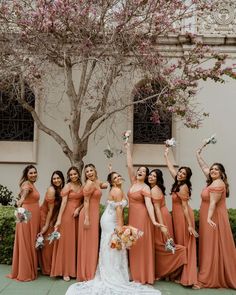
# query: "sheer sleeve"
[49,200]
[183,196]
[26,187]
[87,192]
[218,189]
[65,192]
[156,199]
[146,192]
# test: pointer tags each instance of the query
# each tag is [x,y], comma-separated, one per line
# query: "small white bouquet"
[39,242]
[22,215]
[211,139]
[53,236]
[170,142]
[170,246]
[126,135]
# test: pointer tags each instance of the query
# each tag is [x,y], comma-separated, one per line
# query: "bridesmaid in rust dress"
[217,253]
[88,239]
[183,220]
[167,264]
[64,250]
[48,213]
[141,216]
[25,260]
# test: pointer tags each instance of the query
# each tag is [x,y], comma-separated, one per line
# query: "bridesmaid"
[183,220]
[25,261]
[88,239]
[48,213]
[217,253]
[167,264]
[64,251]
[141,216]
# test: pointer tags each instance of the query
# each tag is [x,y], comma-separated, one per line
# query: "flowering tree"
[94,44]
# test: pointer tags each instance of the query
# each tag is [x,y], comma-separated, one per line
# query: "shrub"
[7,233]
[6,196]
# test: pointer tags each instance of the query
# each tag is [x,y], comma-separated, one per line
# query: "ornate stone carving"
[221,21]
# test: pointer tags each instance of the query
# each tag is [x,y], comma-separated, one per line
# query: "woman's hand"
[211,223]
[76,212]
[192,232]
[57,224]
[86,223]
[164,230]
[157,224]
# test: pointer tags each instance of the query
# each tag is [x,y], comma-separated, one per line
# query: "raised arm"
[64,194]
[129,162]
[184,195]
[50,195]
[88,190]
[215,197]
[203,165]
[169,164]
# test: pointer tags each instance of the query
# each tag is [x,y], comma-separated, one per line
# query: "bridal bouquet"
[125,237]
[170,246]
[53,236]
[22,215]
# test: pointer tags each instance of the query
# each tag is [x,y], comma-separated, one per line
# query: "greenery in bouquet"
[22,215]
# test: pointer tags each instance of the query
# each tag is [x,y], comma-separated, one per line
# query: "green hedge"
[7,233]
[7,229]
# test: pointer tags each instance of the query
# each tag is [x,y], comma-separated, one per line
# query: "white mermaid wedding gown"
[112,275]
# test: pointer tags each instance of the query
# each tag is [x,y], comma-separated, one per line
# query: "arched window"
[151,124]
[16,123]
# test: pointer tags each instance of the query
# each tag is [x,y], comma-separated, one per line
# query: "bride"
[112,275]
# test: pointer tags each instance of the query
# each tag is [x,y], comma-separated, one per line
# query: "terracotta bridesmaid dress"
[166,262]
[182,237]
[25,260]
[45,254]
[88,239]
[217,253]
[64,250]
[141,255]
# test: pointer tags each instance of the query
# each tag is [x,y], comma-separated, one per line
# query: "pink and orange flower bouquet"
[125,237]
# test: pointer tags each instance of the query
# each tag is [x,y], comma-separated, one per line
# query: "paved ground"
[48,286]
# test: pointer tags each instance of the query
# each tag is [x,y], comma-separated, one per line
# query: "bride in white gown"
[112,275]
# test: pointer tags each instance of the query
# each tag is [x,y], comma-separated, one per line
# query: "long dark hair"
[24,176]
[58,189]
[177,184]
[58,198]
[222,175]
[109,178]
[160,180]
[68,174]
[147,173]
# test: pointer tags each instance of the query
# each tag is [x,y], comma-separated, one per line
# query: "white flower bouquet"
[170,246]
[170,142]
[22,215]
[39,242]
[209,140]
[126,135]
